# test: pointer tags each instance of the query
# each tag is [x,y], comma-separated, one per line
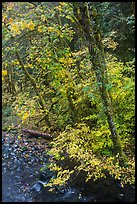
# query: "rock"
[80,196]
[4,164]
[120,196]
[15,160]
[36,187]
[3,141]
[17,176]
[133,187]
[36,148]
[6,157]
[61,189]
[12,154]
[15,145]
[42,177]
[12,142]
[18,169]
[119,186]
[6,149]
[36,172]
[32,148]
[19,162]
[71,195]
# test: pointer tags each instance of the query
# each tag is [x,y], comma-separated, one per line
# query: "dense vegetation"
[69,68]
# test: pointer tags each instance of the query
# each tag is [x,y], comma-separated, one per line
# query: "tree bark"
[32,133]
[88,23]
[71,106]
[13,90]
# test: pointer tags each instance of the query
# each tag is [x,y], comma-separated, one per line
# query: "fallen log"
[32,133]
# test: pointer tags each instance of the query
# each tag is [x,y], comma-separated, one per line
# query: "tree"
[88,20]
[117,23]
[65,78]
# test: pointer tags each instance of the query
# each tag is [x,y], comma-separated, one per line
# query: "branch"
[48,111]
[32,133]
[33,3]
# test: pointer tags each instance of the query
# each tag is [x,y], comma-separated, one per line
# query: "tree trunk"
[35,134]
[13,90]
[88,23]
[71,106]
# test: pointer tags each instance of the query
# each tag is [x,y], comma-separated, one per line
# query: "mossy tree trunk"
[13,90]
[10,82]
[88,23]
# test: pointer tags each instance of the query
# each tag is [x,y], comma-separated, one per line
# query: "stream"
[22,180]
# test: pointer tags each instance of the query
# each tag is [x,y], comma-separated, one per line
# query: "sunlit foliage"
[63,79]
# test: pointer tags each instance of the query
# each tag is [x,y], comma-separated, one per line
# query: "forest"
[68,73]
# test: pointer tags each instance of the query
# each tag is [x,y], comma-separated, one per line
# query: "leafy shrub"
[25,109]
[92,150]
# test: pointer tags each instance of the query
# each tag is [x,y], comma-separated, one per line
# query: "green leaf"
[86,88]
[108,87]
[91,95]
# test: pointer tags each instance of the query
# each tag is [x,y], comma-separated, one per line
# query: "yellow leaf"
[50,29]
[26,155]
[4,72]
[70,61]
[14,27]
[63,60]
[40,29]
[19,137]
[62,3]
[17,62]
[23,25]
[58,8]
[10,5]
[25,116]
[31,25]
[58,32]
[30,65]
[49,55]
[43,18]
[4,16]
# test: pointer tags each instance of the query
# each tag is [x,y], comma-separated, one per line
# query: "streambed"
[22,181]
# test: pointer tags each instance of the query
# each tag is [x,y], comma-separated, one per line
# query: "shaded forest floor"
[22,160]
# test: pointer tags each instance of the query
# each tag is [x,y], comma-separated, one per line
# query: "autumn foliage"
[49,84]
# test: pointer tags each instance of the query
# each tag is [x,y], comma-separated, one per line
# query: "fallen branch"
[32,133]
